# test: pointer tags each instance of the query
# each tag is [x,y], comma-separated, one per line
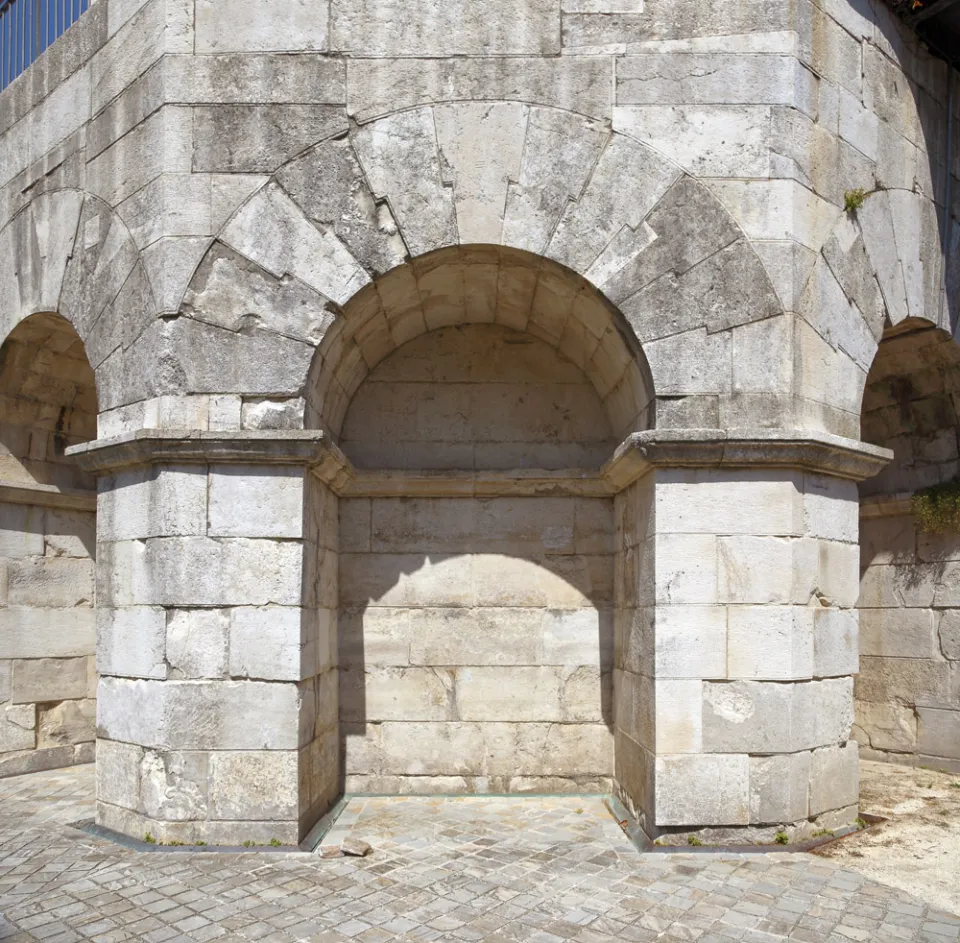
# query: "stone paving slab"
[531,870]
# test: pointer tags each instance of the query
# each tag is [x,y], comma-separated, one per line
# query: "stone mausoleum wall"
[908,691]
[479,393]
[48,677]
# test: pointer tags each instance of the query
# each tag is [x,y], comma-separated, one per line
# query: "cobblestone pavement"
[459,870]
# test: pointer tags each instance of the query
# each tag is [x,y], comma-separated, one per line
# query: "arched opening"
[908,690]
[476,592]
[48,402]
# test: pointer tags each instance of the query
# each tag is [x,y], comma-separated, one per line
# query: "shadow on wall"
[475,672]
[48,679]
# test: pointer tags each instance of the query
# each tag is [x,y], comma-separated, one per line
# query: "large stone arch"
[879,266]
[67,252]
[651,239]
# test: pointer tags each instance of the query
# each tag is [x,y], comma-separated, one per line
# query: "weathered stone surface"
[260,26]
[255,501]
[254,785]
[424,209]
[267,644]
[48,679]
[46,633]
[256,139]
[428,28]
[779,787]
[834,778]
[197,642]
[67,723]
[168,501]
[693,789]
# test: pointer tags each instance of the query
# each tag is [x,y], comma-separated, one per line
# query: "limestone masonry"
[455,397]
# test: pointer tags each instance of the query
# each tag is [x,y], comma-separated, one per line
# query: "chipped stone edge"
[48,496]
[642,842]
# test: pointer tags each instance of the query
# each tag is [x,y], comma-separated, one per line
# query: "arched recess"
[477,391]
[48,402]
[510,298]
[74,300]
[907,693]
[653,241]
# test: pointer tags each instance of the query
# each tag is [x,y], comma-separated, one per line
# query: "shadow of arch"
[48,402]
[475,672]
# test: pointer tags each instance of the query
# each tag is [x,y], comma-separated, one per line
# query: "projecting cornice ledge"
[639,454]
[312,449]
[818,452]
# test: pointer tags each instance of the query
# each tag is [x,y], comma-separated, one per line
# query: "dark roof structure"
[936,22]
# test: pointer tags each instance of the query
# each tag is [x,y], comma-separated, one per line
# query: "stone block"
[451,637]
[118,773]
[905,681]
[48,679]
[199,715]
[836,642]
[174,786]
[702,790]
[272,231]
[69,533]
[834,778]
[227,289]
[686,570]
[756,570]
[21,531]
[679,717]
[46,633]
[691,642]
[770,643]
[890,727]
[259,139]
[381,86]
[166,501]
[398,694]
[899,633]
[762,717]
[505,694]
[132,642]
[714,79]
[938,732]
[425,28]
[198,571]
[18,723]
[378,636]
[423,210]
[569,636]
[67,723]
[260,26]
[778,788]
[694,501]
[268,644]
[252,501]
[197,641]
[50,583]
[398,580]
[948,629]
[254,785]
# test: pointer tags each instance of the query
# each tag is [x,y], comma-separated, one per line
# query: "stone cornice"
[48,496]
[635,457]
[161,446]
[886,505]
[818,452]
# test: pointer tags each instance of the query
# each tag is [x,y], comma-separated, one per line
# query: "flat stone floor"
[536,871]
